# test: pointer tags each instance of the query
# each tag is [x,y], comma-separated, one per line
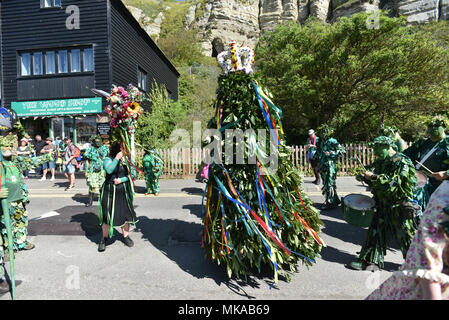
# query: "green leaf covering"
[234,236]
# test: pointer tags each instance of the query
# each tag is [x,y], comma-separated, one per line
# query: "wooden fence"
[187,162]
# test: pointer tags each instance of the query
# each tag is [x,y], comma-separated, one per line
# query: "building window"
[62,61]
[25,64]
[50,3]
[50,62]
[142,79]
[53,61]
[88,60]
[75,60]
[37,64]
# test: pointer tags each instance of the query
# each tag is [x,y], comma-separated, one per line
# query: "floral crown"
[236,58]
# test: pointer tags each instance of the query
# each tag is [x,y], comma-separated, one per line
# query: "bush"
[355,78]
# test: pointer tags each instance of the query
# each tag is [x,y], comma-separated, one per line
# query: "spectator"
[71,152]
[311,146]
[59,149]
[24,151]
[38,145]
[49,148]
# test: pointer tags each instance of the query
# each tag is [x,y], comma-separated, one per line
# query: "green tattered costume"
[393,188]
[152,165]
[327,165]
[18,195]
[255,216]
[95,171]
[438,161]
[13,180]
[116,201]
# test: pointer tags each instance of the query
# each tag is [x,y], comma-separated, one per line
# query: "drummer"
[393,183]
[431,157]
[392,132]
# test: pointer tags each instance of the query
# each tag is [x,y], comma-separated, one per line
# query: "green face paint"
[97,143]
[436,132]
[382,151]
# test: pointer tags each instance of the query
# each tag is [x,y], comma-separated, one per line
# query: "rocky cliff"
[220,21]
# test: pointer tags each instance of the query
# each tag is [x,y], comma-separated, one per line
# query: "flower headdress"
[236,58]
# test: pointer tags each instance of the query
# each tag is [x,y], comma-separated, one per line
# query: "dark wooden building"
[54,51]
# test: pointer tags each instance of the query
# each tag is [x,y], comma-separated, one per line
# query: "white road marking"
[46,215]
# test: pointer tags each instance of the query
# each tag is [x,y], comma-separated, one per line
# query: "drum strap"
[427,156]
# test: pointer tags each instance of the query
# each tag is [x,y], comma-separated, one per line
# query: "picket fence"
[188,162]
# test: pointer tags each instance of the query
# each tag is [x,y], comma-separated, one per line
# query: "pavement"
[167,261]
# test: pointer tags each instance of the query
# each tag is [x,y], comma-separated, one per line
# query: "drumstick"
[360,162]
[427,169]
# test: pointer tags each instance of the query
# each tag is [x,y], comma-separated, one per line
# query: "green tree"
[156,125]
[354,78]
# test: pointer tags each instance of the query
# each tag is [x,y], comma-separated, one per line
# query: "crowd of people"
[272,220]
[106,173]
[410,187]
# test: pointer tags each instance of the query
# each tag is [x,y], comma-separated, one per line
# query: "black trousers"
[314,164]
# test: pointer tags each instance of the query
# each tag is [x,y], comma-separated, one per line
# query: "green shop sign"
[57,107]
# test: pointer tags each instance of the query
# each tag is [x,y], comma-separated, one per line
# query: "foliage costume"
[434,155]
[13,169]
[393,186]
[152,165]
[253,215]
[95,172]
[392,132]
[328,154]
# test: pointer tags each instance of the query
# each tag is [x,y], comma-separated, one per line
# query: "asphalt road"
[167,260]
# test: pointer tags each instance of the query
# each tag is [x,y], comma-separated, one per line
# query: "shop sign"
[57,107]
[104,130]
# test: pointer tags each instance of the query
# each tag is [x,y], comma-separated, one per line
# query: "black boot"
[5,286]
[102,245]
[91,199]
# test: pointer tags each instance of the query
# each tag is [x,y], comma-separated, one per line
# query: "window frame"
[79,60]
[59,52]
[140,72]
[34,55]
[55,56]
[30,73]
[83,58]
[52,4]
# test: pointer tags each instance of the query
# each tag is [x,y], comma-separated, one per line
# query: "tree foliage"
[354,78]
[156,125]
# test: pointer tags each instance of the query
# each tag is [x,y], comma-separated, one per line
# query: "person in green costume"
[432,154]
[116,197]
[18,193]
[152,165]
[4,285]
[393,133]
[329,150]
[392,180]
[95,173]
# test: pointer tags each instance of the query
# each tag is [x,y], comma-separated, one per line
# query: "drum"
[358,210]
[422,179]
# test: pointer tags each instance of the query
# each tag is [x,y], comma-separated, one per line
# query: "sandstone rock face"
[220,21]
[420,11]
[226,20]
[320,9]
[348,8]
[151,26]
